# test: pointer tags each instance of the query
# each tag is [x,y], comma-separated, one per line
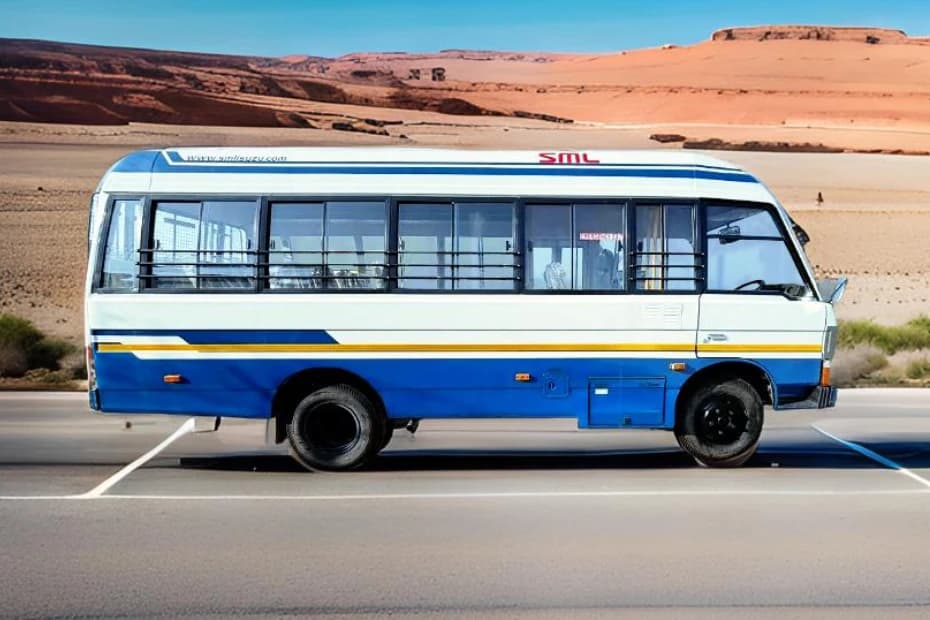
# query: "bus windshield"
[746,251]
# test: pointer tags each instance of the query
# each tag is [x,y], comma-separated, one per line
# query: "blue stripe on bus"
[671,171]
[410,387]
[229,336]
[175,158]
[589,171]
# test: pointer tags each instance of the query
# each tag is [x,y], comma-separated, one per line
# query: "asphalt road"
[491,519]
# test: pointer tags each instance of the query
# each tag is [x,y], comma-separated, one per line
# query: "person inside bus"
[555,275]
[606,273]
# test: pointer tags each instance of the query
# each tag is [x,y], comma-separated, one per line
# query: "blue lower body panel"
[640,392]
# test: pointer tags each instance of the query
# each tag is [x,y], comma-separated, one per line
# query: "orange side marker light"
[825,374]
[173,379]
[522,377]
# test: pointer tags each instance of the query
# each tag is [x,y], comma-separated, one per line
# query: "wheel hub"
[722,421]
[332,429]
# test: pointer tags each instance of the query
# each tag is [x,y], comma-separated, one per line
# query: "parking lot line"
[875,456]
[107,484]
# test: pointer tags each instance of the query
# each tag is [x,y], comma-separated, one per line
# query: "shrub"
[44,375]
[918,369]
[23,347]
[915,334]
[13,362]
[851,365]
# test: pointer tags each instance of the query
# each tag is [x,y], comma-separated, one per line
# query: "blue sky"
[278,27]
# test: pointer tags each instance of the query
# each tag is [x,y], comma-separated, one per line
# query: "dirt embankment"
[787,76]
[51,82]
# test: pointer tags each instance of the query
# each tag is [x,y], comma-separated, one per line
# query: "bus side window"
[577,247]
[295,250]
[175,236]
[599,249]
[424,259]
[355,243]
[665,254]
[484,244]
[121,254]
[549,247]
[204,245]
[228,245]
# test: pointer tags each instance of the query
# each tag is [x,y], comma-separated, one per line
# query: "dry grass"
[919,369]
[851,366]
[24,349]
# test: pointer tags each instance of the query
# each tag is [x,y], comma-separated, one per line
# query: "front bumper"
[821,397]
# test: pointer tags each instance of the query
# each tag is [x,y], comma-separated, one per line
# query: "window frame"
[518,233]
[267,206]
[104,235]
[772,210]
[391,205]
[698,227]
[626,203]
[148,230]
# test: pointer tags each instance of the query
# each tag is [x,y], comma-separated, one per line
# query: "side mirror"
[795,291]
[730,234]
[832,289]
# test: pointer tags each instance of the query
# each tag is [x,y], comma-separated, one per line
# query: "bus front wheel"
[336,428]
[719,424]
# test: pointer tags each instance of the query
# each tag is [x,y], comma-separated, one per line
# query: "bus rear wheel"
[336,428]
[719,425]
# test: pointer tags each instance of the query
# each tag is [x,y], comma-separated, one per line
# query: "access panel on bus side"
[614,402]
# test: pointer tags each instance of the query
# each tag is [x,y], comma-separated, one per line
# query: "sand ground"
[873,225]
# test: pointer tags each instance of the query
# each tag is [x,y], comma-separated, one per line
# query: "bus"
[343,293]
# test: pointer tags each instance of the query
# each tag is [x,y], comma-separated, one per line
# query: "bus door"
[756,303]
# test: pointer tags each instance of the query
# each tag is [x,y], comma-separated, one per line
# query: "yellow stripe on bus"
[389,348]
[759,348]
[106,347]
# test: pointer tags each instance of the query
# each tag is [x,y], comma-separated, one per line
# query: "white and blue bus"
[342,293]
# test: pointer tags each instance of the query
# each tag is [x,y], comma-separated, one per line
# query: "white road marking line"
[20,395]
[107,484]
[489,495]
[877,406]
[20,498]
[875,456]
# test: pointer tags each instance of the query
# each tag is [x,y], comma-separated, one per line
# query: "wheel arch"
[750,371]
[300,384]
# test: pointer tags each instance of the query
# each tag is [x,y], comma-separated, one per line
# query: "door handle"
[716,338]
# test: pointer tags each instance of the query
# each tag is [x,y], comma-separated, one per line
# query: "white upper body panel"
[431,172]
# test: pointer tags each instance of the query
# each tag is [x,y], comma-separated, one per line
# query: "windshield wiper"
[788,289]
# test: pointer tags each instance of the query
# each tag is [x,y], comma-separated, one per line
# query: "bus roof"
[430,172]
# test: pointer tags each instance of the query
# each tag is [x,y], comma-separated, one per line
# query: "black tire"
[336,428]
[388,434]
[719,425]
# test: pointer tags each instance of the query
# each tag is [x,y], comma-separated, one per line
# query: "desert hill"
[872,36]
[767,75]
